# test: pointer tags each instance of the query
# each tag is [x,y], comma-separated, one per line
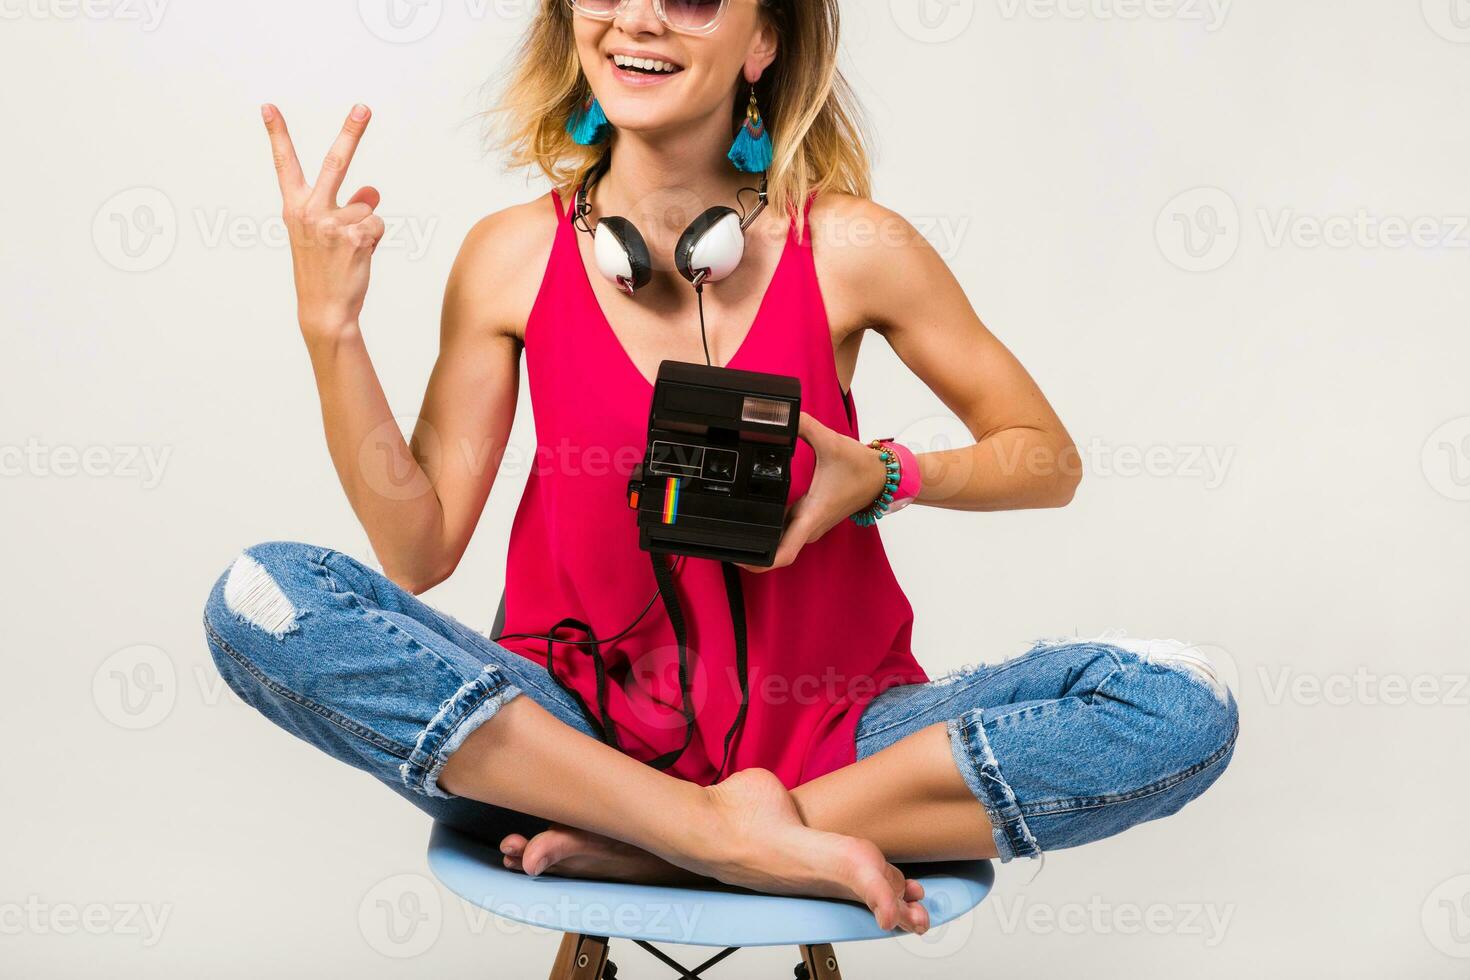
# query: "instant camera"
[716,477]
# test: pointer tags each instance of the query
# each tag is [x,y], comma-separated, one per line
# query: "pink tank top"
[825,635]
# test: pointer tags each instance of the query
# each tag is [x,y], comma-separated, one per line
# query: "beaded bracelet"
[875,511]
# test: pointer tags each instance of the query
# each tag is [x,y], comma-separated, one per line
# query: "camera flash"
[766,411]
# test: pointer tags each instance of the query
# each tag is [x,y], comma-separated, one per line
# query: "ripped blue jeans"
[1066,744]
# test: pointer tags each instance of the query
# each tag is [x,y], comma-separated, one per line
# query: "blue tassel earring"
[753,151]
[589,125]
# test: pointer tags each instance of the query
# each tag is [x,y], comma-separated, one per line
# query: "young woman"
[848,757]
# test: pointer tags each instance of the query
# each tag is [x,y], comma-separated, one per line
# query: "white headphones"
[709,250]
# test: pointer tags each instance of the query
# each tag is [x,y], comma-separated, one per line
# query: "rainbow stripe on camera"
[671,501]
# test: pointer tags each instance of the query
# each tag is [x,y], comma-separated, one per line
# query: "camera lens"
[768,467]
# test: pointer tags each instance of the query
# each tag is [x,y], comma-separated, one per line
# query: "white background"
[1129,194]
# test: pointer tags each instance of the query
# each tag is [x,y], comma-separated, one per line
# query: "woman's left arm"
[1022,456]
[895,284]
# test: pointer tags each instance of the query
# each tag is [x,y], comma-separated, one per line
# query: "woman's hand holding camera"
[849,475]
[331,245]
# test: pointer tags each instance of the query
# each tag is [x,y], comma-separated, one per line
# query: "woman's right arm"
[418,500]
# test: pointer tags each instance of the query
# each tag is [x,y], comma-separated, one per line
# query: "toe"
[885,911]
[881,893]
[913,891]
[547,849]
[514,845]
[917,917]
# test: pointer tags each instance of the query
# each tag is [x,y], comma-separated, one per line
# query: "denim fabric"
[1073,741]
[336,654]
[1069,743]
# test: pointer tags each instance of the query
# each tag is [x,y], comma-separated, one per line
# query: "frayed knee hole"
[255,598]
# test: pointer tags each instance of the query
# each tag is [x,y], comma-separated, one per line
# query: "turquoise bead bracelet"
[875,511]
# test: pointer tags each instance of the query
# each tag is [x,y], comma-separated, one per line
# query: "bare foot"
[776,852]
[755,839]
[573,853]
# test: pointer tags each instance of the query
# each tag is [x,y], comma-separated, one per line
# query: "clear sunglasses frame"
[658,8]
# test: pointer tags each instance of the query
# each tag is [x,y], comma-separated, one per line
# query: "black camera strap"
[664,576]
[601,723]
[735,593]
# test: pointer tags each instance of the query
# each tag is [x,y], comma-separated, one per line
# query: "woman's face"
[705,67]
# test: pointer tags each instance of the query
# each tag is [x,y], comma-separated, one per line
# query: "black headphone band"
[581,205]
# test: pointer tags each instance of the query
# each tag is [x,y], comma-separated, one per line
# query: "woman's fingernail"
[359,112]
[267,112]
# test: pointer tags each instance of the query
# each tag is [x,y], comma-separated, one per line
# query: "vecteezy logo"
[136,230]
[1450,19]
[1446,459]
[401,21]
[940,433]
[932,21]
[385,468]
[943,941]
[401,916]
[1446,917]
[136,688]
[1199,231]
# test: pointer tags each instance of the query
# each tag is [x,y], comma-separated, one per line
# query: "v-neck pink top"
[826,634]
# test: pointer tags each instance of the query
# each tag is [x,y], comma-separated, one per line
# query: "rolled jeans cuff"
[972,754]
[474,704]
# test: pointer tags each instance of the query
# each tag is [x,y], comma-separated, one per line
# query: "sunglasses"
[684,16]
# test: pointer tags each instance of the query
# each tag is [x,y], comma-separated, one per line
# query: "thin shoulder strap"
[806,210]
[560,211]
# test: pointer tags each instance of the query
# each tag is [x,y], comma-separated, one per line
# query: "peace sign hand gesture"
[331,245]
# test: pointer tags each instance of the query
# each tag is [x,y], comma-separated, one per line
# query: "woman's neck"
[663,183]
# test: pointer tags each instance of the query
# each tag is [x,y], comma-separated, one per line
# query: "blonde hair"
[810,111]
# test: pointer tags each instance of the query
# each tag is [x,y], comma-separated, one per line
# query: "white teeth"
[647,64]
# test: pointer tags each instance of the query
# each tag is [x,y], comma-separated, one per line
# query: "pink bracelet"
[910,482]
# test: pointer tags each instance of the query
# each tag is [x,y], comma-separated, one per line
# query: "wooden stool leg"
[821,962]
[580,958]
[561,969]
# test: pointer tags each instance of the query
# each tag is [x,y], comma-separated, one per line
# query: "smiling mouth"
[643,66]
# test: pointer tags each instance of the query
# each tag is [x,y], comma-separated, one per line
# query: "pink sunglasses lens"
[692,15]
[682,15]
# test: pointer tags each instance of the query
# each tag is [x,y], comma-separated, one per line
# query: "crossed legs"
[1069,743]
[635,823]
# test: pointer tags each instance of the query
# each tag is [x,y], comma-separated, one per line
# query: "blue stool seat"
[727,917]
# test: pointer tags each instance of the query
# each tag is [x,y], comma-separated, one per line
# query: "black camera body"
[715,479]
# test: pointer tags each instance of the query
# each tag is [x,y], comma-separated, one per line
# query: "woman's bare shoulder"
[856,245]
[859,231]
[500,267]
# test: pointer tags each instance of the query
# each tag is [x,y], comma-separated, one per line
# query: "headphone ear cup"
[715,241]
[622,254]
